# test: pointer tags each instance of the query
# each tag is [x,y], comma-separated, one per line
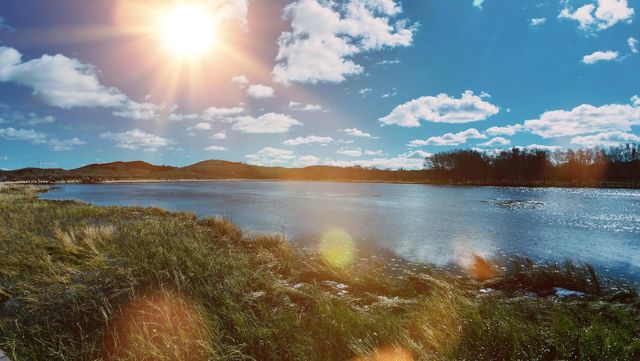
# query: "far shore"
[604,185]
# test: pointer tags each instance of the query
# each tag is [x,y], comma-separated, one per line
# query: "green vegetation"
[83,282]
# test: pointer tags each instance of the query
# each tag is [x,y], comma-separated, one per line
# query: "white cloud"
[59,81]
[219,136]
[308,140]
[5,26]
[373,152]
[495,142]
[29,135]
[388,62]
[600,56]
[364,92]
[537,21]
[449,139]
[390,94]
[584,119]
[635,100]
[138,111]
[305,107]
[325,36]
[271,156]
[215,148]
[350,152]
[478,3]
[211,114]
[233,10]
[548,148]
[58,145]
[633,45]
[200,126]
[260,91]
[509,130]
[306,161]
[269,123]
[355,132]
[241,80]
[40,138]
[409,160]
[606,14]
[137,139]
[8,115]
[441,109]
[607,139]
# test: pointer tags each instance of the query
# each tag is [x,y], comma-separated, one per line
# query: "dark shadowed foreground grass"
[83,282]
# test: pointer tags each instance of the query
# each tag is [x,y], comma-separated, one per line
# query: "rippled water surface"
[417,222]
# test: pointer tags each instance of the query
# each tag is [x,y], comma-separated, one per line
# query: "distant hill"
[209,169]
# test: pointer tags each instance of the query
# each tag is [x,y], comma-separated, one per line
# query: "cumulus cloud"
[356,152]
[633,45]
[308,140]
[219,136]
[599,56]
[241,80]
[271,156]
[40,138]
[215,148]
[509,130]
[305,107]
[325,36]
[409,160]
[200,126]
[211,114]
[58,145]
[584,119]
[306,161]
[138,111]
[441,109]
[8,115]
[537,21]
[495,142]
[449,139]
[373,152]
[260,91]
[607,139]
[269,123]
[137,139]
[605,14]
[58,81]
[355,132]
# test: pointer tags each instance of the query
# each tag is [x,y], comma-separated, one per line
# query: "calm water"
[417,222]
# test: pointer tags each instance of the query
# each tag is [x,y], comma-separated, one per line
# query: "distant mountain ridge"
[208,169]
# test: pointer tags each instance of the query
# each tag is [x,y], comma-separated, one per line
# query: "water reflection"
[419,223]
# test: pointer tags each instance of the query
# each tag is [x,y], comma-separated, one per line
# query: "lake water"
[422,223]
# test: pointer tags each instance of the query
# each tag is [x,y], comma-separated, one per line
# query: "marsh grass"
[82,282]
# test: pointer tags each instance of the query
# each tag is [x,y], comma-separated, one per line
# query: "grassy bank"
[82,282]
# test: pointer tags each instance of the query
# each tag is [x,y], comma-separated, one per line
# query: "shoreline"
[608,185]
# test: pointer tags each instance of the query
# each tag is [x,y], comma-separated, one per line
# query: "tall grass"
[82,282]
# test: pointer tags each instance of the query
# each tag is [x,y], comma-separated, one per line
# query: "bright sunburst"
[188,30]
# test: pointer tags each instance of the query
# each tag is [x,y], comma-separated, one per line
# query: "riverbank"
[84,282]
[577,185]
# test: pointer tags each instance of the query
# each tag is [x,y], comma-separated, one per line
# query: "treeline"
[590,167]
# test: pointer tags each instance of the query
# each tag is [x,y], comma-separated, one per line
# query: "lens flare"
[388,354]
[163,326]
[337,248]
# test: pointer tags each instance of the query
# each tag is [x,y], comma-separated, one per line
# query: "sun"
[188,30]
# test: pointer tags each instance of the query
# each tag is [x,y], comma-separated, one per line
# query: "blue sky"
[295,83]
